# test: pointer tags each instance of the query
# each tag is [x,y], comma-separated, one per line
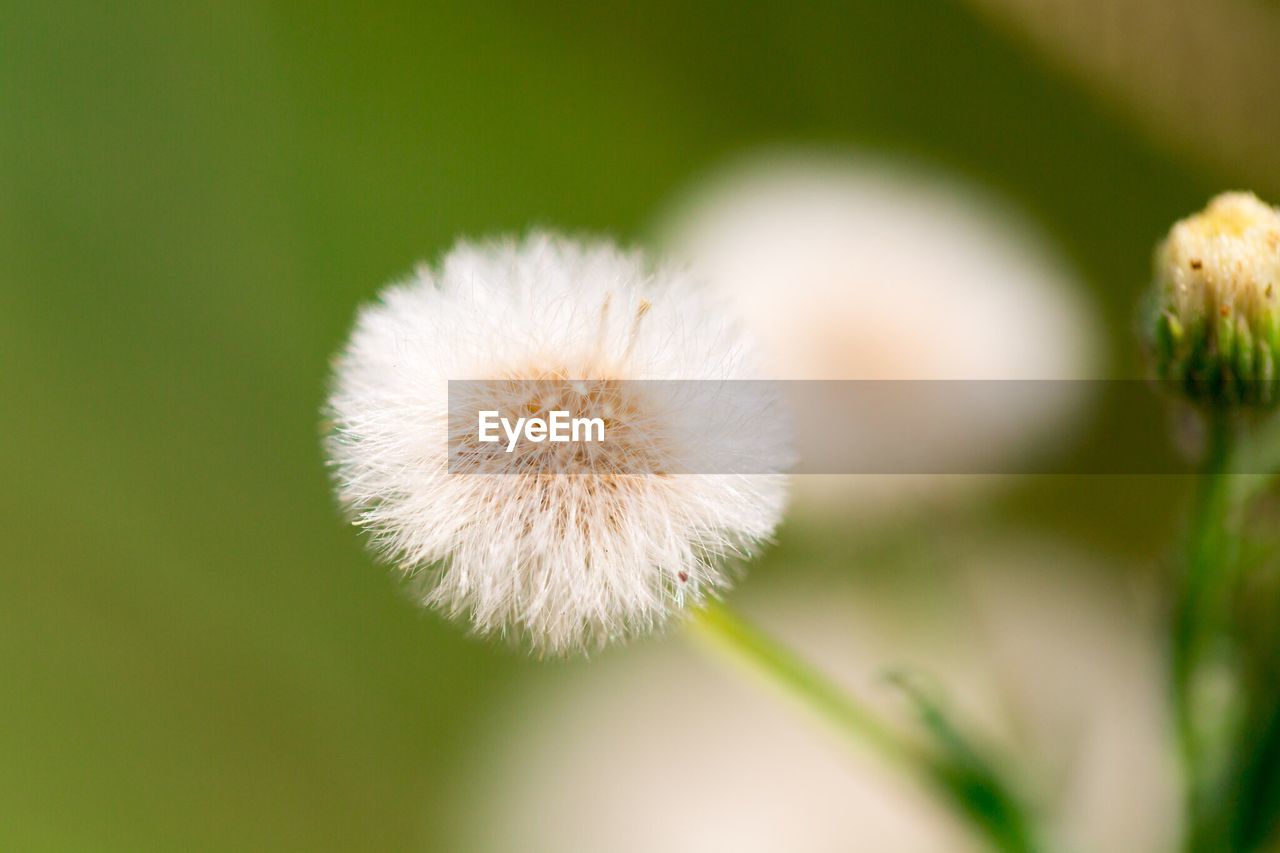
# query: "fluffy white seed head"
[566,560]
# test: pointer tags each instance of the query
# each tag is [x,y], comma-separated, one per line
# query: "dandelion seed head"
[566,550]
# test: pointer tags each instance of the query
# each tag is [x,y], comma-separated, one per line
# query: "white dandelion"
[566,560]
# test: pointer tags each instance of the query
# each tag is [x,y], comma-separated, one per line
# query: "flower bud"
[1217,295]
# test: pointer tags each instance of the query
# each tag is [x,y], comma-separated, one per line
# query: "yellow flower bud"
[1217,291]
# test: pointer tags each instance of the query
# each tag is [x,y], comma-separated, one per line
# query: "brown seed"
[1196,263]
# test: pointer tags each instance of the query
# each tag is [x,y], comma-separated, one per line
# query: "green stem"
[1204,599]
[966,793]
[1255,781]
[787,670]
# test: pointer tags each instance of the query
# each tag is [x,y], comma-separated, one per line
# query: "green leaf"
[967,775]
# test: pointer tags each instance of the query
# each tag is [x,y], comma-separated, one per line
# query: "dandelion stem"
[967,785]
[786,669]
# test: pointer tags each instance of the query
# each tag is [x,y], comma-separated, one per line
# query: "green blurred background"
[196,652]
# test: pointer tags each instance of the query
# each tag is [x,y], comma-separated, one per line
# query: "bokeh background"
[195,651]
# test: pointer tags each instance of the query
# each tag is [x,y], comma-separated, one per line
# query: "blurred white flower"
[569,561]
[849,268]
[1056,666]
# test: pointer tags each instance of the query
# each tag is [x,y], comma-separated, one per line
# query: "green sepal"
[1244,351]
[1266,373]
